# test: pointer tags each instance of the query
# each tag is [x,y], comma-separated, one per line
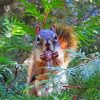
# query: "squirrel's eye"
[38,39]
[55,40]
[55,37]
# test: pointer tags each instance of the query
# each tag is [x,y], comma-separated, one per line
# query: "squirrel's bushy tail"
[67,39]
[66,36]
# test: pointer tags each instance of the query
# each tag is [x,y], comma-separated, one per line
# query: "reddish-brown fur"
[37,67]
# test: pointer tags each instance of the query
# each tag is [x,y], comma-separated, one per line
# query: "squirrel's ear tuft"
[53,28]
[37,29]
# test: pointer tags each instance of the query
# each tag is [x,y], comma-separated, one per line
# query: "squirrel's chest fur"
[40,67]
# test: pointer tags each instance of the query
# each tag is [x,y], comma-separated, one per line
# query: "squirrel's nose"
[47,44]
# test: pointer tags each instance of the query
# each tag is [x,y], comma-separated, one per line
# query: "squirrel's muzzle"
[47,44]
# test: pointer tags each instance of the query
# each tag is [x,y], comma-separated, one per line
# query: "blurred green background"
[17,22]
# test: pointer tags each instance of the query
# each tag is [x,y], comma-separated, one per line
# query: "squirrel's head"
[46,38]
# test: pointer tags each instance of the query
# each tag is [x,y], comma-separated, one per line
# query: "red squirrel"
[53,42]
